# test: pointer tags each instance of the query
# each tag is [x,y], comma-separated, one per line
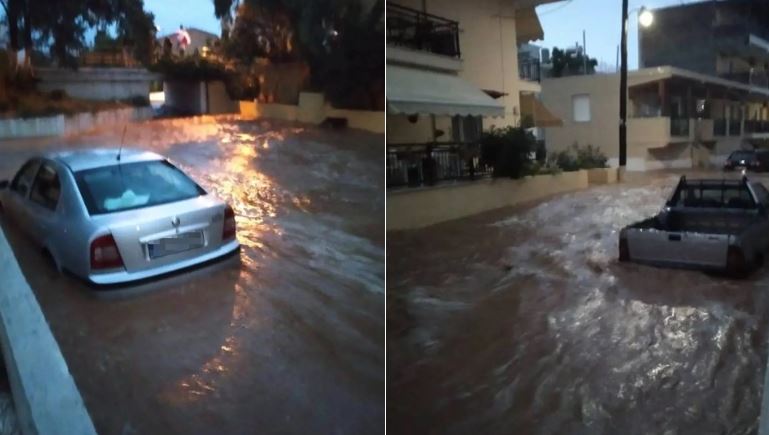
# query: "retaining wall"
[313,109]
[61,125]
[420,207]
[44,392]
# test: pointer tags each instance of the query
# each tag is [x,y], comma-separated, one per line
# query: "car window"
[715,197]
[46,188]
[134,185]
[741,155]
[23,179]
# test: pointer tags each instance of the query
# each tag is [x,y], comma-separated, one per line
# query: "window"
[134,185]
[580,105]
[23,179]
[467,129]
[47,188]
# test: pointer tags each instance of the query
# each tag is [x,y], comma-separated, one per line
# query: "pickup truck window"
[715,197]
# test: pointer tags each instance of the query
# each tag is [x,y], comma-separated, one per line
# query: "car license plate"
[174,245]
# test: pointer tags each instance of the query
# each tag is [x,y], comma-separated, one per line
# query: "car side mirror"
[4,184]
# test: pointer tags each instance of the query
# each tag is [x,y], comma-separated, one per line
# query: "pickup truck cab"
[706,223]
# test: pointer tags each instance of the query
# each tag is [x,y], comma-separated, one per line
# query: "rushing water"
[522,321]
[287,338]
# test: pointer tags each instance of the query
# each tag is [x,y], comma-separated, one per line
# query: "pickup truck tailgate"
[684,248]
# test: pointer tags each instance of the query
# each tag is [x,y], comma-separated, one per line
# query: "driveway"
[286,338]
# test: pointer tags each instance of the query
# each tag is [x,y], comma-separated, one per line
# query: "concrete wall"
[416,208]
[62,125]
[44,392]
[199,98]
[97,83]
[313,109]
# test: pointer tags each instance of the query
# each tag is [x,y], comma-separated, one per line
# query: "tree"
[571,62]
[61,25]
[341,40]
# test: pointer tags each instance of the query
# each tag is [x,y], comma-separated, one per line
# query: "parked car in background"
[111,216]
[712,224]
[748,160]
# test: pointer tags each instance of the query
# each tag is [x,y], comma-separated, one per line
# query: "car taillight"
[104,253]
[229,227]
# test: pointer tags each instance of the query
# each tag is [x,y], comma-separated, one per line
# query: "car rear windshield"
[131,186]
[742,155]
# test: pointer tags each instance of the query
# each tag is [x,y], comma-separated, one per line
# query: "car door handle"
[674,237]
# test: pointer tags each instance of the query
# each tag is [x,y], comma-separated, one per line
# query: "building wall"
[675,40]
[602,130]
[401,130]
[488,47]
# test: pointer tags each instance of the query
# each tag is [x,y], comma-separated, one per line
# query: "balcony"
[416,30]
[414,165]
[755,78]
[529,69]
[679,127]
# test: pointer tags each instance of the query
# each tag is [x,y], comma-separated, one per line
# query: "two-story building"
[701,91]
[452,71]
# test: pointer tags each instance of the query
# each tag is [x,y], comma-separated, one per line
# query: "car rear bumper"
[124,276]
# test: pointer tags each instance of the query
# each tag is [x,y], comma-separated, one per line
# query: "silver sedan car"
[112,216]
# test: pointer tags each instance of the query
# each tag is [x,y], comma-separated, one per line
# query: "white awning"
[413,91]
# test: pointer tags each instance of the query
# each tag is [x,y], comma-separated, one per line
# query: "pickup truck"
[707,223]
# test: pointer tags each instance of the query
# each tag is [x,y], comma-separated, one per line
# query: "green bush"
[508,150]
[575,158]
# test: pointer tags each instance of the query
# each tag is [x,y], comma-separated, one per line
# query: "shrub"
[508,150]
[575,158]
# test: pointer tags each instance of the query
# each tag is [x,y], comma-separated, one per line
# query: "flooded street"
[523,321]
[287,337]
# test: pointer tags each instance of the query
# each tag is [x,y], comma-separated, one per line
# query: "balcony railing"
[756,78]
[754,126]
[422,31]
[719,127]
[679,126]
[426,164]
[734,127]
[529,69]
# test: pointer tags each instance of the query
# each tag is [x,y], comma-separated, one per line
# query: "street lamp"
[645,19]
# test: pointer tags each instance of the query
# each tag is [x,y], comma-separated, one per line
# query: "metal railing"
[719,127]
[530,69]
[679,126]
[427,164]
[756,126]
[734,127]
[755,78]
[422,31]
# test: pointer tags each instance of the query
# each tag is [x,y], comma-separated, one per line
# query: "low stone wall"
[417,208]
[313,109]
[97,83]
[61,125]
[44,392]
[602,176]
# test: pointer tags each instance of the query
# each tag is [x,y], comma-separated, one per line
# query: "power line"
[557,8]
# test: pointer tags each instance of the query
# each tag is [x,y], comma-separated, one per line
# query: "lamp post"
[645,19]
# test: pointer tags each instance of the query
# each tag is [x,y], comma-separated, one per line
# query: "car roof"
[78,160]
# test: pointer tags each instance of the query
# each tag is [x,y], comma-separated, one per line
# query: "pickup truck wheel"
[624,251]
[735,262]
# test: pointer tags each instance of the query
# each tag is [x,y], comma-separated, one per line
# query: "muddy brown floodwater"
[522,321]
[286,338]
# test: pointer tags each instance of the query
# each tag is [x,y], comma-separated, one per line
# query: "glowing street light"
[645,17]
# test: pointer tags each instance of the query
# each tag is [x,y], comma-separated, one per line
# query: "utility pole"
[584,52]
[623,90]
